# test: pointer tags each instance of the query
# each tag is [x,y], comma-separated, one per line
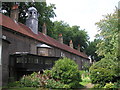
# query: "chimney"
[44,29]
[78,48]
[71,44]
[60,38]
[14,14]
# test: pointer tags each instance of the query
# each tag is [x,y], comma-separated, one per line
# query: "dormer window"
[43,49]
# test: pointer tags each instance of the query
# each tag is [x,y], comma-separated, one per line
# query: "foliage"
[117,84]
[14,84]
[85,78]
[98,86]
[66,71]
[103,71]
[38,80]
[109,85]
[31,80]
[51,83]
[109,36]
[109,45]
[74,33]
[92,48]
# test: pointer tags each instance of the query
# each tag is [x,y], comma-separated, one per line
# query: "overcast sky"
[84,13]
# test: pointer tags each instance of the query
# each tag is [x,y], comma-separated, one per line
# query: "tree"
[92,48]
[46,12]
[74,33]
[108,27]
[103,71]
[109,39]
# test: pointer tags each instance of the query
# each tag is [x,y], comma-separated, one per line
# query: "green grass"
[24,88]
[85,78]
[27,88]
[85,81]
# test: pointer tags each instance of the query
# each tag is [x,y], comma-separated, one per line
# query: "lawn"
[27,88]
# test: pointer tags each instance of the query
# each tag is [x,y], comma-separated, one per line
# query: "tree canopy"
[92,48]
[74,33]
[108,27]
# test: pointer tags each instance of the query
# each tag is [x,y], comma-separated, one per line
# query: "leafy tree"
[103,71]
[108,47]
[92,48]
[108,27]
[70,33]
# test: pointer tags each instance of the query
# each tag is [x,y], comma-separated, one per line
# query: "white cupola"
[32,19]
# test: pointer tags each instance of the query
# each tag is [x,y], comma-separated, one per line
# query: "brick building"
[25,49]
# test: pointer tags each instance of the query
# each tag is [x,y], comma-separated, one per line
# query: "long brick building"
[25,49]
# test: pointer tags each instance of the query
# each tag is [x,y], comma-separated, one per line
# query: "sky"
[83,13]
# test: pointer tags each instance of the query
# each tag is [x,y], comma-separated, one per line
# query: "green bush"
[98,86]
[51,83]
[32,80]
[41,80]
[66,71]
[14,84]
[117,84]
[109,85]
[103,71]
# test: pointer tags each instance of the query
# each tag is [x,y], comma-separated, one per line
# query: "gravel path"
[89,85]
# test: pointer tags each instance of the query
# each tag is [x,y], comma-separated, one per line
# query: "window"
[30,60]
[25,60]
[48,62]
[30,13]
[36,60]
[62,54]
[19,60]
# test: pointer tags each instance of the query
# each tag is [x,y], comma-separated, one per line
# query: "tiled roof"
[23,29]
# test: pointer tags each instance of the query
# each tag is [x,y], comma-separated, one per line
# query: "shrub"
[109,85]
[14,84]
[66,71]
[103,71]
[51,83]
[44,80]
[98,86]
[32,80]
[117,84]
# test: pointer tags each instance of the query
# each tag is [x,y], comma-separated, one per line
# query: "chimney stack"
[71,44]
[78,48]
[44,29]
[60,38]
[14,14]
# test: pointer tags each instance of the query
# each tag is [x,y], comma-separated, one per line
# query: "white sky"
[84,13]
